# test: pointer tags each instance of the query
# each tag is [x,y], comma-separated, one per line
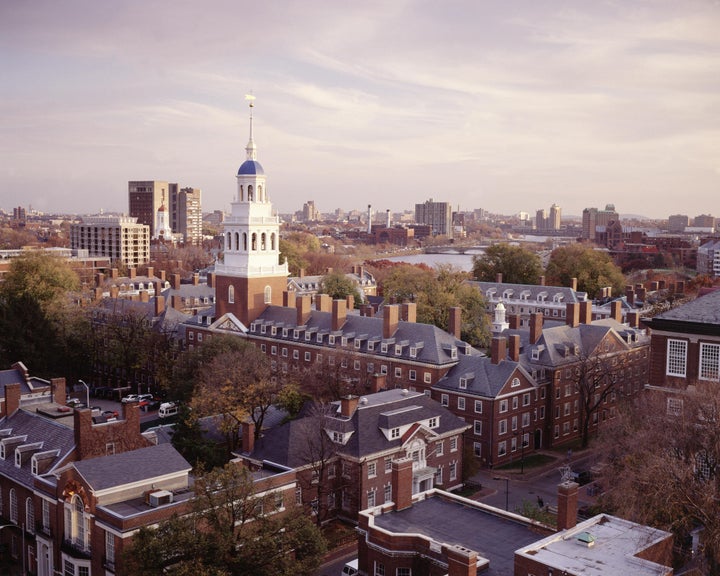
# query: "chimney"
[59,390]
[350,302]
[348,405]
[369,220]
[150,272]
[455,321]
[541,281]
[408,311]
[367,310]
[630,295]
[567,505]
[633,319]
[498,349]
[461,561]
[377,383]
[114,291]
[513,321]
[99,279]
[12,398]
[387,218]
[211,279]
[144,296]
[323,302]
[641,293]
[288,299]
[196,279]
[573,284]
[616,310]
[302,303]
[498,278]
[390,320]
[586,312]
[132,272]
[162,276]
[536,325]
[248,437]
[159,304]
[158,287]
[514,347]
[572,314]
[114,273]
[176,301]
[98,293]
[82,426]
[176,281]
[402,482]
[301,273]
[339,314]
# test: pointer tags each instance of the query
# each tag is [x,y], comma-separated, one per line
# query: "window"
[439,475]
[514,422]
[263,347]
[76,523]
[110,547]
[398,372]
[13,506]
[444,400]
[676,358]
[439,448]
[502,427]
[284,353]
[674,406]
[412,375]
[45,514]
[231,294]
[526,399]
[433,422]
[453,444]
[273,350]
[515,382]
[371,498]
[372,469]
[308,356]
[379,569]
[296,354]
[461,403]
[387,493]
[427,378]
[502,448]
[477,449]
[356,364]
[453,471]
[503,406]
[395,433]
[383,369]
[514,402]
[525,419]
[403,572]
[709,361]
[478,406]
[477,428]
[388,465]
[30,515]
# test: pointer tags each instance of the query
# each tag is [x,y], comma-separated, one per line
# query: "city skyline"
[503,106]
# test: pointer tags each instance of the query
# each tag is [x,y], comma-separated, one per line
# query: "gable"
[518,381]
[228,323]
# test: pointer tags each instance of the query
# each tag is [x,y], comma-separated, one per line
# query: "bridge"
[452,249]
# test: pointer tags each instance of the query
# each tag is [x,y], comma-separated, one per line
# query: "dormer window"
[331,340]
[308,336]
[394,433]
[398,349]
[384,347]
[252,327]
[371,346]
[358,342]
[296,334]
[273,331]
[536,353]
[284,332]
[453,353]
[318,338]
[463,383]
[433,422]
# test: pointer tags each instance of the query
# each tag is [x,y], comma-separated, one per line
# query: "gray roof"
[37,429]
[133,466]
[392,408]
[433,344]
[532,290]
[703,310]
[483,378]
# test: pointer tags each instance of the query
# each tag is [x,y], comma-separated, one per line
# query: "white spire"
[251,149]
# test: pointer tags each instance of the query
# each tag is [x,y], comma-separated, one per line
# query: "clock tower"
[250,276]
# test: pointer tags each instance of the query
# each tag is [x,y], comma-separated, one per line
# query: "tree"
[517,265]
[339,286]
[230,531]
[594,270]
[294,247]
[663,467]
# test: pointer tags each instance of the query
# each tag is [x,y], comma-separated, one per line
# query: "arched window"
[263,244]
[253,241]
[260,194]
[231,294]
[228,241]
[237,240]
[76,522]
[30,515]
[272,241]
[13,506]
[250,193]
[268,295]
[242,194]
[244,241]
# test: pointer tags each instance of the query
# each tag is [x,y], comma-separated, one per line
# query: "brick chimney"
[302,303]
[82,427]
[572,314]
[211,279]
[633,318]
[541,281]
[536,324]
[573,284]
[514,347]
[289,299]
[159,304]
[150,272]
[339,314]
[98,293]
[196,279]
[567,505]
[616,310]
[498,278]
[513,321]
[455,321]
[175,282]
[498,349]
[391,315]
[99,279]
[377,383]
[630,295]
[586,312]
[348,405]
[59,390]
[114,291]
[662,284]
[408,311]
[461,561]
[248,437]
[402,483]
[114,273]
[350,302]
[162,276]
[12,398]
[323,302]
[144,296]
[132,272]
[176,301]
[301,273]
[654,285]
[158,287]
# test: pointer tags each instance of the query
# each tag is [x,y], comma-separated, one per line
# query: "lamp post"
[507,489]
[522,453]
[87,393]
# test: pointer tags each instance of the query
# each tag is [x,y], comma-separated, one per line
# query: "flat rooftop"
[492,533]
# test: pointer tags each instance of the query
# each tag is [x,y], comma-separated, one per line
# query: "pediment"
[228,323]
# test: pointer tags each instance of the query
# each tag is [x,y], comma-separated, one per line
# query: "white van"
[350,569]
[167,409]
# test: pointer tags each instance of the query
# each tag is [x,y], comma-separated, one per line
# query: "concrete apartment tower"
[250,277]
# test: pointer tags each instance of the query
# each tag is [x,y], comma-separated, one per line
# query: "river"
[460,261]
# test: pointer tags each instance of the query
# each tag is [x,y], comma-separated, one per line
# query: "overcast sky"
[507,105]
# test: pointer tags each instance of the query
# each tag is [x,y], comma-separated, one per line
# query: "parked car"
[74,403]
[583,477]
[110,414]
[129,398]
[350,569]
[167,409]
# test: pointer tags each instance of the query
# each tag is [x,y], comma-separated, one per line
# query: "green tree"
[593,269]
[517,265]
[339,287]
[294,247]
[38,320]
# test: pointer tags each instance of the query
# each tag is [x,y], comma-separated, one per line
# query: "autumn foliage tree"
[593,269]
[517,265]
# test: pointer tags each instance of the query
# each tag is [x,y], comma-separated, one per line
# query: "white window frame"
[709,366]
[676,361]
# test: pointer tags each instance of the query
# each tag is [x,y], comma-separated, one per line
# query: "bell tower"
[250,276]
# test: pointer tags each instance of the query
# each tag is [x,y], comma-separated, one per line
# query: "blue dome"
[250,167]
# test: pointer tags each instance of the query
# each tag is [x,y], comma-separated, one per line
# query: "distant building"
[309,212]
[145,198]
[708,258]
[704,221]
[555,217]
[438,215]
[592,218]
[186,215]
[183,208]
[541,219]
[119,238]
[678,222]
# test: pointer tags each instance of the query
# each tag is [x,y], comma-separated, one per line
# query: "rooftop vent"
[160,498]
[586,539]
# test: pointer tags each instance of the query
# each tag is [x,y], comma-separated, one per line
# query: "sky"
[506,105]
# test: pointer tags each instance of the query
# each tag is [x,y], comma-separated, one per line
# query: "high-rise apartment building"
[437,215]
[120,238]
[310,212]
[145,198]
[678,222]
[555,217]
[592,218]
[186,215]
[704,221]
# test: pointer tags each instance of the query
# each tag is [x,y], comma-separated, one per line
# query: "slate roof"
[286,444]
[532,290]
[434,345]
[139,465]
[483,378]
[51,434]
[701,316]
